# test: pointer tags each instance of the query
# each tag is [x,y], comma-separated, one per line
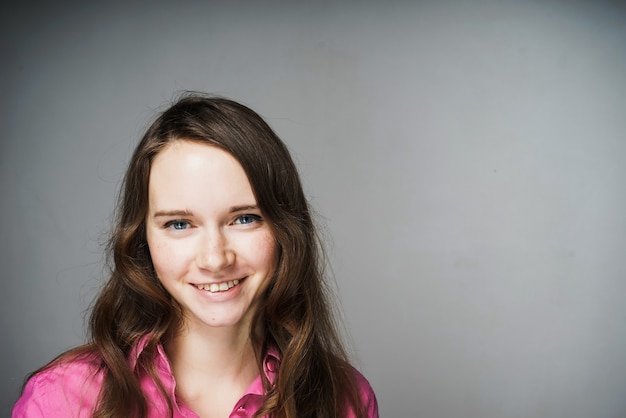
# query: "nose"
[215,253]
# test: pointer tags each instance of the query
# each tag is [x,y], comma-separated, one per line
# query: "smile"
[218,287]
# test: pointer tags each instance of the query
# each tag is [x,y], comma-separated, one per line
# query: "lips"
[218,287]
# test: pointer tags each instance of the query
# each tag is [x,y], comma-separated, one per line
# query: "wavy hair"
[294,315]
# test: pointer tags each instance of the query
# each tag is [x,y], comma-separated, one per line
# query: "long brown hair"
[294,316]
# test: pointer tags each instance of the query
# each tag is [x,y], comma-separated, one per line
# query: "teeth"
[218,287]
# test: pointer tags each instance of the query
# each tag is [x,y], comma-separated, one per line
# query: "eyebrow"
[242,208]
[187,213]
[169,213]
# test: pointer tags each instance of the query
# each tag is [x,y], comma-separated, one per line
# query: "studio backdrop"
[465,160]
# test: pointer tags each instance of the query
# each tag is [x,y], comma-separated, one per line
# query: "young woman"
[216,305]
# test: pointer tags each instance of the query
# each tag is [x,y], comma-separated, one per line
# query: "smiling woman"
[220,240]
[216,305]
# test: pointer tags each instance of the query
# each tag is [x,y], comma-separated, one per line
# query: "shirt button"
[240,412]
[270,365]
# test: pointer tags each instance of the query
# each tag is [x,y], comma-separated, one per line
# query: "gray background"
[465,158]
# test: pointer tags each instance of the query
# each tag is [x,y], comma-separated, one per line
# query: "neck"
[212,352]
[212,367]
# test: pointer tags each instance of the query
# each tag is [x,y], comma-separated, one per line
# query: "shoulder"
[67,387]
[368,396]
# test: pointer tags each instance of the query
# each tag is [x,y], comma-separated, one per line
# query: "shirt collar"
[271,360]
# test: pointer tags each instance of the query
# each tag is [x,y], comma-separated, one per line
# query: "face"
[210,246]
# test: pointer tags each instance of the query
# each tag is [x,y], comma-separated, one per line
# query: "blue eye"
[247,219]
[177,225]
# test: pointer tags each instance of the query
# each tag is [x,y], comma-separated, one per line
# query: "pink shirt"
[71,390]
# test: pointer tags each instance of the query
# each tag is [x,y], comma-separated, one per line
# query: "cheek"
[163,259]
[267,252]
[157,254]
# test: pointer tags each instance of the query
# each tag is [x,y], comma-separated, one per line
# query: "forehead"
[186,170]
